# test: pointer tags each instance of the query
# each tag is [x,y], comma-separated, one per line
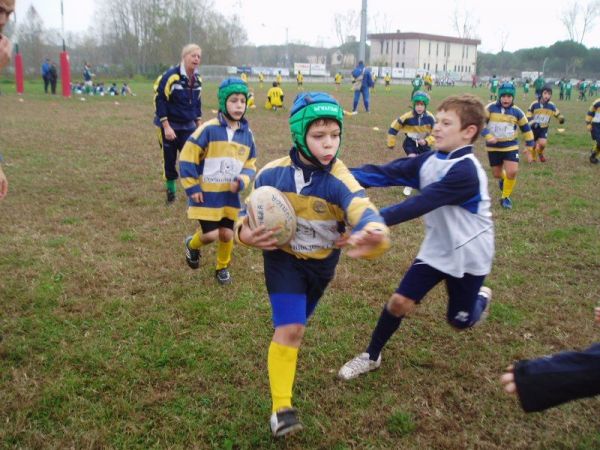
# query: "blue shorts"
[463,304]
[296,285]
[497,158]
[540,133]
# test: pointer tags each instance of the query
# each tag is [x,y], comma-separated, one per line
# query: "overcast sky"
[520,23]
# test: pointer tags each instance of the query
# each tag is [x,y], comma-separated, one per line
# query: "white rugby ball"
[267,206]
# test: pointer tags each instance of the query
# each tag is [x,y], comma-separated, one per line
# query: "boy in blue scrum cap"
[539,114]
[417,124]
[326,199]
[459,239]
[217,162]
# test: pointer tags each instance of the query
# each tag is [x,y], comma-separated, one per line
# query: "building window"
[467,51]
[397,64]
[397,47]
[429,48]
[424,66]
[387,47]
[381,51]
[444,67]
[403,65]
[436,68]
[403,48]
[437,49]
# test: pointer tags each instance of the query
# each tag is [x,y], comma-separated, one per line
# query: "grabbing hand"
[5,51]
[492,140]
[365,243]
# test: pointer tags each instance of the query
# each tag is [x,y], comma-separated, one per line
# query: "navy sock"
[385,328]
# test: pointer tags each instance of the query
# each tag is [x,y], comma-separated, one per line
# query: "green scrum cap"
[420,96]
[308,107]
[228,87]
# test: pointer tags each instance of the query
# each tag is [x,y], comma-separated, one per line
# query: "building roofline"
[433,37]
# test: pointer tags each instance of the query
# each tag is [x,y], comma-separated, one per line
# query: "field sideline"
[111,341]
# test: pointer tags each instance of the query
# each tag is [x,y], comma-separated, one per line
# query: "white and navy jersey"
[454,200]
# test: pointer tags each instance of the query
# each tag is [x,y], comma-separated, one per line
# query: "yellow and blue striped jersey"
[210,161]
[300,78]
[593,115]
[325,201]
[539,114]
[415,126]
[502,124]
[338,78]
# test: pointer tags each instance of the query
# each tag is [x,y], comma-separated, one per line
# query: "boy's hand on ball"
[258,237]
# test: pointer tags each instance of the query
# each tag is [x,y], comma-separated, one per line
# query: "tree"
[345,24]
[30,37]
[578,20]
[463,23]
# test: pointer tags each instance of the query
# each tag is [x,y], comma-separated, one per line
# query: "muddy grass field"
[111,341]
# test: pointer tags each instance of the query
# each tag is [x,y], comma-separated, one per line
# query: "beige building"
[439,55]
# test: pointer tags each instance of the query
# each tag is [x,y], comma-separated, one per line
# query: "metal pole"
[363,32]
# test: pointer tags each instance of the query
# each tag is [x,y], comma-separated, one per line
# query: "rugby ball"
[267,206]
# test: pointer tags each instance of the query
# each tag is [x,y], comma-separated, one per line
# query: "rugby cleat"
[357,366]
[284,422]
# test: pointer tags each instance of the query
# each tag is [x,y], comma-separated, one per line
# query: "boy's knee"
[291,334]
[225,234]
[400,306]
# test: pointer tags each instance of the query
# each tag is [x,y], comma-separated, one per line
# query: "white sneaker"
[407,191]
[487,293]
[357,366]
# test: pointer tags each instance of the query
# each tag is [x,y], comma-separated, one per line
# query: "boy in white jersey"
[459,242]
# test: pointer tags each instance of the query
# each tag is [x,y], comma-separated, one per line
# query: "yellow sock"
[508,187]
[224,253]
[282,370]
[196,241]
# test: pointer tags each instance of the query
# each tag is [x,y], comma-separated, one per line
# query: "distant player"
[300,80]
[493,83]
[387,80]
[503,118]
[417,124]
[417,83]
[539,114]
[274,97]
[592,119]
[338,81]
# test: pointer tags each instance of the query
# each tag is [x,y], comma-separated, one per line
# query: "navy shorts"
[596,133]
[540,133]
[210,225]
[497,158]
[296,285]
[463,300]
